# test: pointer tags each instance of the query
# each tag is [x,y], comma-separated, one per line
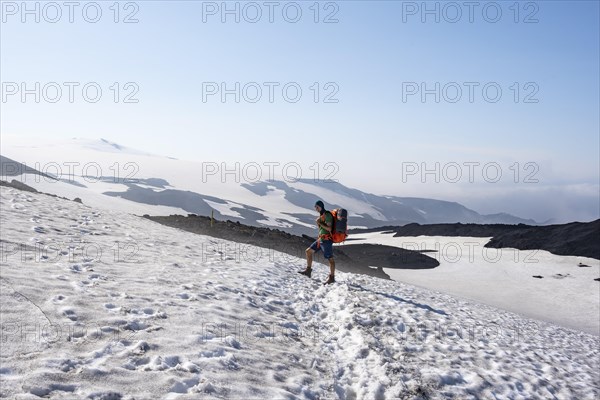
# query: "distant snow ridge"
[108,175]
[106,305]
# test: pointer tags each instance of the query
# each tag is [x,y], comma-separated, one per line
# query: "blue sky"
[374,50]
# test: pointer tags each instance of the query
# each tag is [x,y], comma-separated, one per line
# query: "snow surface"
[92,195]
[175,315]
[567,294]
[226,209]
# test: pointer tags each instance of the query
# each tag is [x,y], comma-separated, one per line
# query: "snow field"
[160,319]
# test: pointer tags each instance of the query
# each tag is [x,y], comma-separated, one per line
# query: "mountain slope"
[106,174]
[121,307]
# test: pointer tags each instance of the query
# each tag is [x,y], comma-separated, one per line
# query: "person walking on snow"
[324,242]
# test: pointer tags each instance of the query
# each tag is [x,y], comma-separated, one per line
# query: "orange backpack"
[339,231]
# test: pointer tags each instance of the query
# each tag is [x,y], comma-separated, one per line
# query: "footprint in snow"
[160,363]
[105,396]
[63,364]
[70,313]
[58,298]
[211,295]
[135,325]
[45,390]
[185,386]
[187,287]
[147,312]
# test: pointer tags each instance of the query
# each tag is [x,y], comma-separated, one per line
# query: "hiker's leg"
[309,257]
[328,254]
[310,251]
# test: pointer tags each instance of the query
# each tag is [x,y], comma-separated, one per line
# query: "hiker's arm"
[325,226]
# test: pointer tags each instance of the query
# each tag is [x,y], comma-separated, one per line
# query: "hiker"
[324,241]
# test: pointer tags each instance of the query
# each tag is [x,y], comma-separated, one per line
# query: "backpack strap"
[327,236]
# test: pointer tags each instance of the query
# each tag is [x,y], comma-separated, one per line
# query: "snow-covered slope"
[535,283]
[106,174]
[119,307]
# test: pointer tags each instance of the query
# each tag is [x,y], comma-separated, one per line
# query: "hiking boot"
[306,272]
[329,280]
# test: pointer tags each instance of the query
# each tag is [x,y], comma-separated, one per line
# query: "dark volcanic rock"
[388,257]
[349,258]
[573,239]
[15,184]
[18,185]
[469,230]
